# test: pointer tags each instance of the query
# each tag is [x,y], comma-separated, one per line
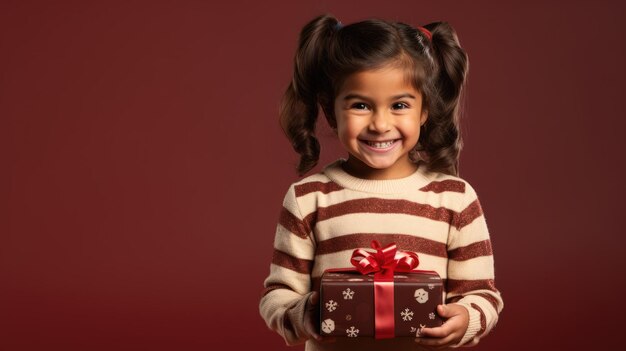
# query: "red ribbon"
[383,263]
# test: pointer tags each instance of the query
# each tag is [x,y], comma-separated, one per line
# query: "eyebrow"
[362,97]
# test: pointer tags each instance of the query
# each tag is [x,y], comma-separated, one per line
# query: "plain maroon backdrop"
[143,169]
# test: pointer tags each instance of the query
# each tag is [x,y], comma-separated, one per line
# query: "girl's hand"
[311,311]
[450,333]
[310,316]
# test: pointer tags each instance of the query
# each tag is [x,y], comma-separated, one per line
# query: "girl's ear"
[423,117]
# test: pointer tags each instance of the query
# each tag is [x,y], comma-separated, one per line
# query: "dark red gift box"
[384,299]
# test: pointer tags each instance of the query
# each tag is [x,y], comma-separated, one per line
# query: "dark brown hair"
[329,52]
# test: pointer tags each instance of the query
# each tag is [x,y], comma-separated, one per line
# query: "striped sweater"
[327,215]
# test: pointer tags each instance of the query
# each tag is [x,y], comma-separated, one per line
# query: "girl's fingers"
[309,316]
[308,324]
[314,299]
[437,332]
[311,330]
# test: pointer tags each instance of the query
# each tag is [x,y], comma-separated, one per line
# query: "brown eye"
[400,106]
[359,106]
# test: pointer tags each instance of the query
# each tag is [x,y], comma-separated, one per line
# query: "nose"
[380,122]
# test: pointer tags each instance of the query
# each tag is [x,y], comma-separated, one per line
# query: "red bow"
[384,261]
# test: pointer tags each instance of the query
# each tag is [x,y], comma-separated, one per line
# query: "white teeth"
[380,145]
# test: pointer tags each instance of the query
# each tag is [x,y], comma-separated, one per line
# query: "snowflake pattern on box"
[348,294]
[431,286]
[406,315]
[352,332]
[417,331]
[431,315]
[328,326]
[421,295]
[331,305]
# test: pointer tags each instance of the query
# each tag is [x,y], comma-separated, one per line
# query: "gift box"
[385,296]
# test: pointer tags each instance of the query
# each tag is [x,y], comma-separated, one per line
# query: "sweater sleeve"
[288,286]
[471,279]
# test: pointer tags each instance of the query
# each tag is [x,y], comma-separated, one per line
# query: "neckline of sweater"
[335,172]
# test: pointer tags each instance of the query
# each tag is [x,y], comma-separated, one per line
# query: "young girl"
[390,92]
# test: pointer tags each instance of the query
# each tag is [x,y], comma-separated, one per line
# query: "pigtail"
[441,137]
[299,106]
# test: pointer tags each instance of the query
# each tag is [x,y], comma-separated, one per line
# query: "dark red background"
[143,169]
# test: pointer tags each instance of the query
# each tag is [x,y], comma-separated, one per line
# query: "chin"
[379,165]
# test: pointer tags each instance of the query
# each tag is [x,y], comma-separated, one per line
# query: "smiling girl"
[391,94]
[378,120]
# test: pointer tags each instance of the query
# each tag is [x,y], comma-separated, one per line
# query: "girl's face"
[379,116]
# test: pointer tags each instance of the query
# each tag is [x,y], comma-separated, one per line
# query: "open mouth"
[380,144]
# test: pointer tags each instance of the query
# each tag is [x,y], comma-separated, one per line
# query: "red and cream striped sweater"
[329,214]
